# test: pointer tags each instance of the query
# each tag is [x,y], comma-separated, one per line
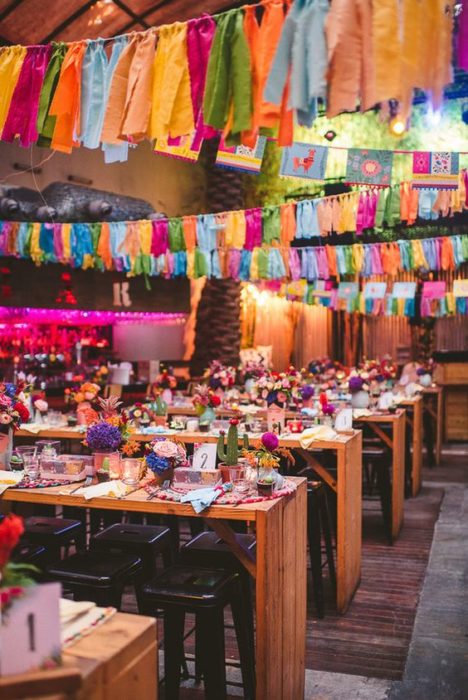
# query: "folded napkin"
[318,432]
[202,498]
[34,428]
[361,412]
[113,489]
[78,619]
[9,479]
[71,609]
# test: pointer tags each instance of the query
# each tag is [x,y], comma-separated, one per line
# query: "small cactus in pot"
[229,455]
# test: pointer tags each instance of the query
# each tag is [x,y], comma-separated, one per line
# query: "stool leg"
[198,651]
[173,649]
[327,536]
[211,629]
[314,537]
[243,622]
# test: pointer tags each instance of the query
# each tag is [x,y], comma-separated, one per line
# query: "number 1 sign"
[30,630]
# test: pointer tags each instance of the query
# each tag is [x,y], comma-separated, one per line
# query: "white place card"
[204,455]
[344,419]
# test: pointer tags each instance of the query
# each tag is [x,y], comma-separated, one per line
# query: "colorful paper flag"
[404,290]
[434,290]
[437,170]
[460,288]
[369,167]
[302,160]
[183,147]
[348,290]
[241,157]
[375,290]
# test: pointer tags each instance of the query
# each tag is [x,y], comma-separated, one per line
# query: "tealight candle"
[130,469]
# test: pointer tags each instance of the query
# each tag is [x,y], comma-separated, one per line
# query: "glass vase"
[107,462]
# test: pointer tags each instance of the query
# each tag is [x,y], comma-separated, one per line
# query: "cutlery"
[155,492]
[88,481]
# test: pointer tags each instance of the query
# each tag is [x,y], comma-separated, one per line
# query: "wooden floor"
[373,637]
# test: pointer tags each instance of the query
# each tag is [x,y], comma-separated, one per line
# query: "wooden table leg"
[349,523]
[398,474]
[281,599]
[439,425]
[416,467]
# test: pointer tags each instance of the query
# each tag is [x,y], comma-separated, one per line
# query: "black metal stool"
[54,533]
[145,541]
[376,469]
[205,592]
[207,549]
[318,525]
[27,553]
[98,576]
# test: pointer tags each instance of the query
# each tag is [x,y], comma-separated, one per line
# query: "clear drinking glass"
[31,466]
[130,468]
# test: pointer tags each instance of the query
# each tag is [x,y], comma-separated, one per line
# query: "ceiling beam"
[180,10]
[9,9]
[63,25]
[138,18]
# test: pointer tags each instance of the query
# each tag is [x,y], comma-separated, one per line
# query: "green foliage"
[230,455]
[18,575]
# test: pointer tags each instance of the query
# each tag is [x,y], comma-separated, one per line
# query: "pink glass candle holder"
[107,462]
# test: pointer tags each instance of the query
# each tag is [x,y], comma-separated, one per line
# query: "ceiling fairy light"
[99,11]
[80,317]
[397,126]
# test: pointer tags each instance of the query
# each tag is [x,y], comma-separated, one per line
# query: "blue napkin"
[201,498]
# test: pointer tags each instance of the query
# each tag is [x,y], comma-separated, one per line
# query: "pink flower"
[5,419]
[5,401]
[165,448]
[41,405]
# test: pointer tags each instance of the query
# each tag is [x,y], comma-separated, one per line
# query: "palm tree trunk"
[217,331]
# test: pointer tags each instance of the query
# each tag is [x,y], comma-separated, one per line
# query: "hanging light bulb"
[397,126]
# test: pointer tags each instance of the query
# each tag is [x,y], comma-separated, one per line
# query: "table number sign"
[204,455]
[344,420]
[386,401]
[460,288]
[30,631]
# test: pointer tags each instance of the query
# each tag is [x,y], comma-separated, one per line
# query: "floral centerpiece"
[219,376]
[250,372]
[164,385]
[205,401]
[84,397]
[163,456]
[106,436]
[141,414]
[101,375]
[13,412]
[358,387]
[279,387]
[40,406]
[266,459]
[425,372]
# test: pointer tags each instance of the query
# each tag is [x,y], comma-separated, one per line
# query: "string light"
[78,317]
[397,126]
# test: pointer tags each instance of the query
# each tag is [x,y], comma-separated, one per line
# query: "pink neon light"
[24,316]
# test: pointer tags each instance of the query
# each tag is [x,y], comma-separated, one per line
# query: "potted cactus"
[229,465]
[160,410]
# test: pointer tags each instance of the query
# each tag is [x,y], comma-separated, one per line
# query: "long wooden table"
[117,661]
[279,570]
[396,443]
[347,484]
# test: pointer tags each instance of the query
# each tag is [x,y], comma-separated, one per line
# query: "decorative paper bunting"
[369,167]
[434,290]
[460,288]
[183,148]
[438,170]
[303,160]
[348,290]
[404,290]
[375,290]
[242,158]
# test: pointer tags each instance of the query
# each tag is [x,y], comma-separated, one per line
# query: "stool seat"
[145,541]
[41,528]
[190,586]
[95,568]
[27,553]
[131,534]
[208,549]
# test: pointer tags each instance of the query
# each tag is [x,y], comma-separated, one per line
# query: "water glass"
[31,467]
